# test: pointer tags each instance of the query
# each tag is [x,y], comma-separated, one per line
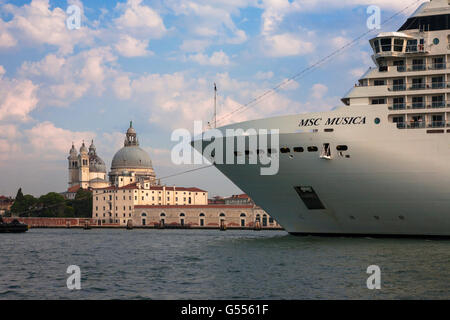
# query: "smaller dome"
[96,164]
[83,148]
[73,152]
[92,148]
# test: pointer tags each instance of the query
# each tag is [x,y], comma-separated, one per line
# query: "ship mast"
[215,105]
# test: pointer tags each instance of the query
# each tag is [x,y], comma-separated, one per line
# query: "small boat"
[13,227]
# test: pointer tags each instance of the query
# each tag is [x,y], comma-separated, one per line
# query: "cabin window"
[386,44]
[298,149]
[411,45]
[285,150]
[379,101]
[398,45]
[377,46]
[313,149]
[342,148]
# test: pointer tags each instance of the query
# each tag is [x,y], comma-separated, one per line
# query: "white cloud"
[194,45]
[51,142]
[206,19]
[218,58]
[138,19]
[128,46]
[357,72]
[122,88]
[260,75]
[36,24]
[64,80]
[318,91]
[17,98]
[287,44]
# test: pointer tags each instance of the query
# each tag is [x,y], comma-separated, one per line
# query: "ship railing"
[418,105]
[438,104]
[437,66]
[398,106]
[418,67]
[398,87]
[401,125]
[436,124]
[421,67]
[416,125]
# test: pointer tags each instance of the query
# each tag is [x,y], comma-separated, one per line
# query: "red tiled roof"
[209,206]
[134,186]
[74,189]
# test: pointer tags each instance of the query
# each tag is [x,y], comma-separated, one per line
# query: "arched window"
[162,214]
[243,215]
[258,217]
[222,215]
[202,214]
[144,214]
[182,214]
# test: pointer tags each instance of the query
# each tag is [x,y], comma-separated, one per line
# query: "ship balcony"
[436,124]
[422,125]
[419,86]
[419,105]
[398,106]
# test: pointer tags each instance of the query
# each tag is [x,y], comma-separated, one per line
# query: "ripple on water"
[208,264]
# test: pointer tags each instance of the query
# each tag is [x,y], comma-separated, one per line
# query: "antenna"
[215,105]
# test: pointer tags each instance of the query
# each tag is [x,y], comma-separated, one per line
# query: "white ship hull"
[394,182]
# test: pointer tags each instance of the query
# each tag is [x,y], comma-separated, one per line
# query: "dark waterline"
[209,264]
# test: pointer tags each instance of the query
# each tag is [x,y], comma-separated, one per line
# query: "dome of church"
[83,148]
[131,157]
[73,152]
[96,164]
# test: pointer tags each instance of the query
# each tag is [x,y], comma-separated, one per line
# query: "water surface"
[209,264]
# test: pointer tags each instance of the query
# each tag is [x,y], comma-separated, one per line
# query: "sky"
[155,63]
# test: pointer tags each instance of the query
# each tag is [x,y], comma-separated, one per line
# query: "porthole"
[285,150]
[298,149]
[313,149]
[377,120]
[436,41]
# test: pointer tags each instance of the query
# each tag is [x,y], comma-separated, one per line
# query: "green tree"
[51,205]
[83,204]
[23,206]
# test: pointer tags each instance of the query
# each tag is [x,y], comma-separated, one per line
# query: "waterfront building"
[116,204]
[5,204]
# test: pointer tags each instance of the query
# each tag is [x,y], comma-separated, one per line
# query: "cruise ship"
[379,165]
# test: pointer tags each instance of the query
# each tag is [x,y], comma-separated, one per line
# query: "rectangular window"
[386,44]
[398,45]
[379,82]
[379,101]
